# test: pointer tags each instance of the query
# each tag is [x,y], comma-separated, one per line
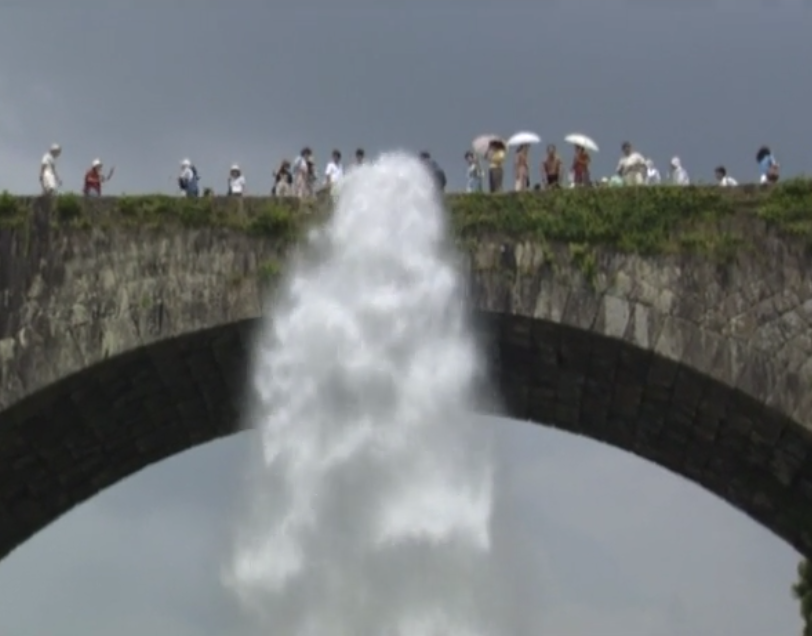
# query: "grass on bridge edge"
[647,220]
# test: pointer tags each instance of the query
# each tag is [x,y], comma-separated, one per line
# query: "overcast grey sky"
[144,84]
[611,545]
[617,547]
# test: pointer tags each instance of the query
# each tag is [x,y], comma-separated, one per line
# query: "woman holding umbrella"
[492,148]
[521,169]
[580,167]
[582,160]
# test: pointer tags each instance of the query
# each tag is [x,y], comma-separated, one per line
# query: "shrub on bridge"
[650,220]
[647,220]
[69,207]
[9,207]
[161,209]
[789,208]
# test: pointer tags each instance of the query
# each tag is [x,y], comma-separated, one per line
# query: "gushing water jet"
[371,514]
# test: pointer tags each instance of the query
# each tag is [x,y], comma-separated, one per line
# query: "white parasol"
[524,138]
[577,139]
[481,144]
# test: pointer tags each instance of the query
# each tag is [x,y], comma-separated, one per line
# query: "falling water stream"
[371,514]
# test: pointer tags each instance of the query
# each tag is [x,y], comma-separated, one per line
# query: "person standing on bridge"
[437,173]
[632,166]
[473,175]
[282,180]
[551,168]
[723,178]
[236,181]
[301,173]
[521,168]
[580,167]
[653,176]
[495,157]
[94,179]
[679,175]
[334,171]
[189,180]
[767,165]
[48,176]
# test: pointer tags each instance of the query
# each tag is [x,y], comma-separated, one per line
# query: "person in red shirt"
[580,167]
[94,179]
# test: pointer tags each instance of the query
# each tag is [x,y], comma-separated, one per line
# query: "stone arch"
[720,437]
[82,434]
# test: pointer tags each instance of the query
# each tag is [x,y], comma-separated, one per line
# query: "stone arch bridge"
[122,344]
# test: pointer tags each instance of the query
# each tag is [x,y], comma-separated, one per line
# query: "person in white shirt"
[679,175]
[723,179]
[189,179]
[301,173]
[48,175]
[236,182]
[632,166]
[334,171]
[652,174]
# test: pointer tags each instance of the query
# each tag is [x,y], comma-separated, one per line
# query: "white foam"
[372,512]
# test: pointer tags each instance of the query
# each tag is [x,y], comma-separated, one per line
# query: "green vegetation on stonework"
[278,218]
[646,220]
[269,271]
[802,591]
[264,216]
[789,207]
[9,208]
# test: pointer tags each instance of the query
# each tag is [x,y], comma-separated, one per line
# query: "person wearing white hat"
[94,179]
[236,181]
[679,175]
[48,175]
[189,180]
[653,176]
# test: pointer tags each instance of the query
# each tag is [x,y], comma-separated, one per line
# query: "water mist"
[371,514]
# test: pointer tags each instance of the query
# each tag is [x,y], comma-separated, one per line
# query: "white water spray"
[372,515]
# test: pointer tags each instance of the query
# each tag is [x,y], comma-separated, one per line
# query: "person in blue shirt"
[474,173]
[767,165]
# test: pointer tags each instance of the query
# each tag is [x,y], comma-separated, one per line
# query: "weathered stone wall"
[123,345]
[92,295]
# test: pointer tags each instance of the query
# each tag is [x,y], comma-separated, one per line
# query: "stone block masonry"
[126,327]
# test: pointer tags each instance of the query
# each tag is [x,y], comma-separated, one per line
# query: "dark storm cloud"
[615,545]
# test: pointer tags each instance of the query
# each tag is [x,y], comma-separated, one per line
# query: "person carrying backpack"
[189,180]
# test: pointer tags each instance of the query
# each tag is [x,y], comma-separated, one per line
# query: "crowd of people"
[485,171]
[632,169]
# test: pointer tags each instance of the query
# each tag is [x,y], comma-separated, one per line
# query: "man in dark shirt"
[435,169]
